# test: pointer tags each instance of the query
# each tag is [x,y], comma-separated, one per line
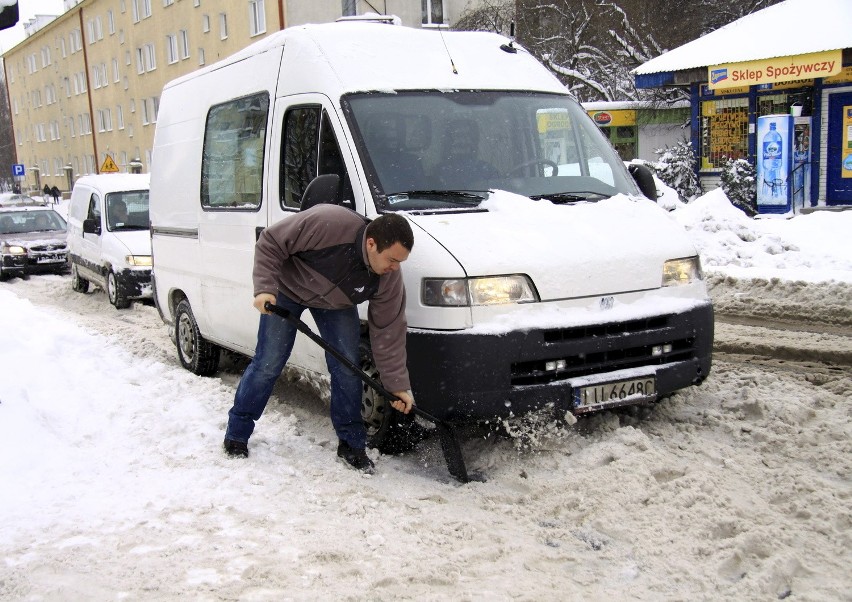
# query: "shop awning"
[791,28]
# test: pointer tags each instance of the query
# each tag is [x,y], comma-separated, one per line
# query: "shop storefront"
[789,115]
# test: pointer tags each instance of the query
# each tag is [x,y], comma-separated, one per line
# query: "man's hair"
[388,229]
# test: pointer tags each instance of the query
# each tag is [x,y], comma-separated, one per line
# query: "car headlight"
[14,250]
[681,271]
[139,260]
[490,290]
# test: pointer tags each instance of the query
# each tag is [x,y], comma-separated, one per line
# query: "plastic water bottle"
[773,146]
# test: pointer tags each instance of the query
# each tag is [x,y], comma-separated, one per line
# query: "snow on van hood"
[593,248]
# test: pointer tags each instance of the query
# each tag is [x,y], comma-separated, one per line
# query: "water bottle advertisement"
[774,163]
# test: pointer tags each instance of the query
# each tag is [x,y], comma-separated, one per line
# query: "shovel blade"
[452,452]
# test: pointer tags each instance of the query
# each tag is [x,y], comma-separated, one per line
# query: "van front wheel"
[195,353]
[115,292]
[389,431]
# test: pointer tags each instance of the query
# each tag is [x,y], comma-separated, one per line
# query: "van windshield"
[127,210]
[435,150]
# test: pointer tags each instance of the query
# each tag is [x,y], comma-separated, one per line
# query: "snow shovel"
[449,443]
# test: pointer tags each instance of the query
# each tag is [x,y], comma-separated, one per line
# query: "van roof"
[116,182]
[357,56]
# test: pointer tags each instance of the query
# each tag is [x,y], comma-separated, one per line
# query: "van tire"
[115,291]
[195,353]
[389,431]
[78,284]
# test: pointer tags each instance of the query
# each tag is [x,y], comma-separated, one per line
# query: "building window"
[348,8]
[183,42]
[104,120]
[171,48]
[85,124]
[116,77]
[150,106]
[223,26]
[200,56]
[432,12]
[119,117]
[145,8]
[168,2]
[76,40]
[45,56]
[205,23]
[110,22]
[257,18]
[62,49]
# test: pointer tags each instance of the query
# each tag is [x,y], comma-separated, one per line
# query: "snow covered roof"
[786,29]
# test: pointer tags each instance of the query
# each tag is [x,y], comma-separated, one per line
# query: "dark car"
[32,241]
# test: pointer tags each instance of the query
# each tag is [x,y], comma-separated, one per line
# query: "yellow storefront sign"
[109,166]
[780,69]
[613,118]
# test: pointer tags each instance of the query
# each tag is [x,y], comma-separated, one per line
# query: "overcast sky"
[27,10]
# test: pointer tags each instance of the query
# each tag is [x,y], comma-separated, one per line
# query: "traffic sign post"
[18,170]
[109,166]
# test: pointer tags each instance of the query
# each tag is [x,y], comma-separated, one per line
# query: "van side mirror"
[644,178]
[322,189]
[92,226]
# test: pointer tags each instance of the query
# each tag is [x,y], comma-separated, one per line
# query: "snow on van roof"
[113,182]
[365,56]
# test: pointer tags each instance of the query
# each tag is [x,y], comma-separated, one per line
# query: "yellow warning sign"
[109,166]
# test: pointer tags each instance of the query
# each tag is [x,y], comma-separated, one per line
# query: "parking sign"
[17,169]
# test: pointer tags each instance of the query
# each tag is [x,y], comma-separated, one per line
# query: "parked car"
[13,199]
[108,240]
[32,241]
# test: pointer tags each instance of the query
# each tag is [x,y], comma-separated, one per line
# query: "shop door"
[838,189]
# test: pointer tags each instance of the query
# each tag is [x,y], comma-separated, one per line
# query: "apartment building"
[84,90]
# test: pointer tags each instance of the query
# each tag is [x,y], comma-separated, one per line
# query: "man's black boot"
[357,458]
[236,449]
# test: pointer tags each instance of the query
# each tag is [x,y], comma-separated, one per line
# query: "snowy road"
[738,489]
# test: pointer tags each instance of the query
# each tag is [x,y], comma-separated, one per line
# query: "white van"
[540,276]
[109,242]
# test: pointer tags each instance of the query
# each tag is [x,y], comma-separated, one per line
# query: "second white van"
[109,243]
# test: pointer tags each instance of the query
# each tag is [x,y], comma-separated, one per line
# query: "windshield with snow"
[435,150]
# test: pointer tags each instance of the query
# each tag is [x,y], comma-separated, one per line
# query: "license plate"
[620,392]
[49,259]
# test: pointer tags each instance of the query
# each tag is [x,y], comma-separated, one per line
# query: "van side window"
[94,208]
[310,149]
[232,160]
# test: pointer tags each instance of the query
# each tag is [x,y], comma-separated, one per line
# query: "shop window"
[724,131]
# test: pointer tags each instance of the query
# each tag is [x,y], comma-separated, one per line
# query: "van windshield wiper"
[457,196]
[570,197]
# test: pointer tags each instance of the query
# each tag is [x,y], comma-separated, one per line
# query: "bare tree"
[592,45]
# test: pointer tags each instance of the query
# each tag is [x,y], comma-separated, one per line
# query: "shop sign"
[613,118]
[846,147]
[780,69]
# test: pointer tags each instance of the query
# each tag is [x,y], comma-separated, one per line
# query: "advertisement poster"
[774,158]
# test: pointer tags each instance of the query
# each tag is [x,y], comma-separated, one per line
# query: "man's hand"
[404,403]
[260,302]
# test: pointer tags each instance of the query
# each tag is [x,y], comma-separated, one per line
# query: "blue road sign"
[17,169]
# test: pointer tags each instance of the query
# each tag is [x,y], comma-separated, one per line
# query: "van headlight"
[681,271]
[138,260]
[489,290]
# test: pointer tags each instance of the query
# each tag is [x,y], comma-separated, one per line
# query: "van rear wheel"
[196,354]
[115,292]
[78,284]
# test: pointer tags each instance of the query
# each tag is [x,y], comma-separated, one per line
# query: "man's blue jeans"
[341,328]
